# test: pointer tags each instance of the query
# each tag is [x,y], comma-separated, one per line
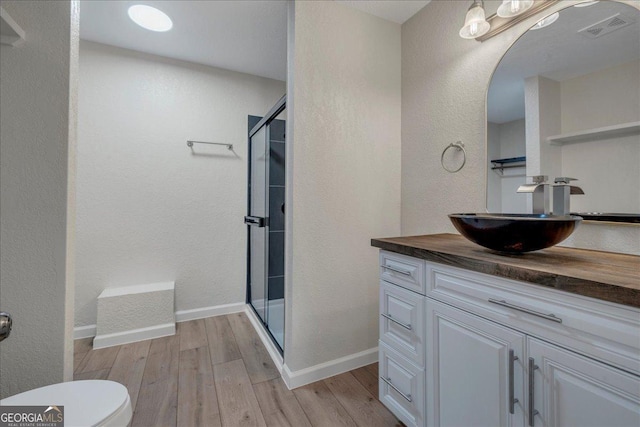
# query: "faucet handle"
[564,180]
[539,179]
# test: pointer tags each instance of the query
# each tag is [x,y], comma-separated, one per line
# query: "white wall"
[344,178]
[603,98]
[494,179]
[608,169]
[444,83]
[504,141]
[150,209]
[36,141]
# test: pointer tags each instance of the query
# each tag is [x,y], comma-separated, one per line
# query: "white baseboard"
[135,335]
[80,332]
[89,331]
[294,379]
[216,310]
[265,338]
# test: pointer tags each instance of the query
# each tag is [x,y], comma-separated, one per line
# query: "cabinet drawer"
[403,271]
[401,386]
[402,321]
[598,329]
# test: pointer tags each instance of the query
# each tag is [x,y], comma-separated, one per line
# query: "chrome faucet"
[561,192]
[539,190]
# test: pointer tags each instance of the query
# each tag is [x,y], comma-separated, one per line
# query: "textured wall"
[444,84]
[149,208]
[34,132]
[345,178]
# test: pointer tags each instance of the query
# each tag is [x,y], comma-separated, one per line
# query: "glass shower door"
[265,220]
[258,236]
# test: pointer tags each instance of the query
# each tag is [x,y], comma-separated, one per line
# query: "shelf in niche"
[508,163]
[623,129]
[10,32]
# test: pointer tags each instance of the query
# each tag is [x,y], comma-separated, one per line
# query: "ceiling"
[559,52]
[246,36]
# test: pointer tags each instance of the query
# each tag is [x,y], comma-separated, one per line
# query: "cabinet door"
[473,376]
[573,390]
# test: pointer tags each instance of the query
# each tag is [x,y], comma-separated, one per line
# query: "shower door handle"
[254,220]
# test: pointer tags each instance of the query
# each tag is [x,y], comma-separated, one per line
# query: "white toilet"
[86,403]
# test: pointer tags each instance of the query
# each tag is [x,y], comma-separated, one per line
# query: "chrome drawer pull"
[388,381]
[532,411]
[404,325]
[397,270]
[512,400]
[503,303]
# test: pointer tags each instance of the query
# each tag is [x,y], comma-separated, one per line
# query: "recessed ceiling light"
[150,18]
[545,21]
[586,3]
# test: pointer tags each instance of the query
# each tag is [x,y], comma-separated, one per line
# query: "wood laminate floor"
[216,372]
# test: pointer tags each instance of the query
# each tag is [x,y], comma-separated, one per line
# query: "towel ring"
[460,146]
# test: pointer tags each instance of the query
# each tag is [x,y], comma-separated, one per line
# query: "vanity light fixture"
[475,23]
[511,8]
[150,18]
[545,22]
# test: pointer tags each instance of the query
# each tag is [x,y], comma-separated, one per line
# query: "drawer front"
[401,386]
[403,271]
[402,325]
[598,329]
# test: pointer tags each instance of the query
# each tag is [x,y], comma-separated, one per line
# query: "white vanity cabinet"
[500,352]
[402,333]
[573,390]
[474,370]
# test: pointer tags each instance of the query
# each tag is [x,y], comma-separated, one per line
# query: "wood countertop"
[604,275]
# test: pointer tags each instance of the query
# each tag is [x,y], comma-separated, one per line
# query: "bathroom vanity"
[469,336]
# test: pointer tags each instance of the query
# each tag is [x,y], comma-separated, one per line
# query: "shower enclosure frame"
[265,121]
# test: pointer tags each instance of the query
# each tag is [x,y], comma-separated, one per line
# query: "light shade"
[546,21]
[475,24]
[150,18]
[510,8]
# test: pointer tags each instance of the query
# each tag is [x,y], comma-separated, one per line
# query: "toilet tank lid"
[86,403]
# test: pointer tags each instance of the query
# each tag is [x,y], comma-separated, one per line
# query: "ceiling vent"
[606,26]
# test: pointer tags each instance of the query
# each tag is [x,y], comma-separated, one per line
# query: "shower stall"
[265,220]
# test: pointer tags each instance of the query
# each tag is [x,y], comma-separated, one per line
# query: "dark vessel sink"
[515,233]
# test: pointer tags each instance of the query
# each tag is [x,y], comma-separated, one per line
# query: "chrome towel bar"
[190,144]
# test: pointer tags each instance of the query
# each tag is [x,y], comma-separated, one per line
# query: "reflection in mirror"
[565,101]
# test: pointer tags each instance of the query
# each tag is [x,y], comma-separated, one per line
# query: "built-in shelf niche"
[624,129]
[499,165]
[11,33]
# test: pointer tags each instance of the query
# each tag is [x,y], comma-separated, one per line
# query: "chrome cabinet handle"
[512,400]
[404,325]
[503,303]
[397,270]
[532,411]
[388,381]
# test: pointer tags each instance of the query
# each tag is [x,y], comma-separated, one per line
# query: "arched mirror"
[564,101]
